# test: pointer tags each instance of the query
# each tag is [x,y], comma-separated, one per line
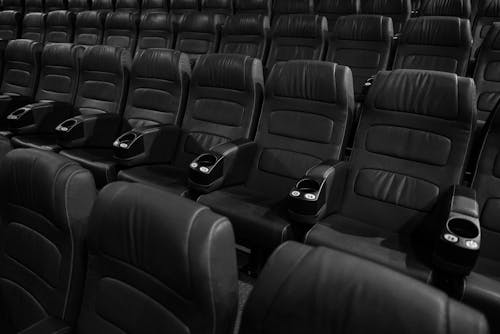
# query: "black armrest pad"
[10,102]
[48,326]
[97,130]
[39,117]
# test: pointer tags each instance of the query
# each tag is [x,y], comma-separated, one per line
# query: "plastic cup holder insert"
[308,186]
[67,125]
[128,138]
[463,228]
[207,160]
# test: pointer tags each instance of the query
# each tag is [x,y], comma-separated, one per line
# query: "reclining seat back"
[129,6]
[435,43]
[10,24]
[255,7]
[60,27]
[103,79]
[34,27]
[333,9]
[222,7]
[34,6]
[52,5]
[191,288]
[154,6]
[315,93]
[224,100]
[457,8]
[182,7]
[42,238]
[488,13]
[411,146]
[89,27]
[77,6]
[291,7]
[362,42]
[245,34]
[106,6]
[120,30]
[15,5]
[155,31]
[398,10]
[297,37]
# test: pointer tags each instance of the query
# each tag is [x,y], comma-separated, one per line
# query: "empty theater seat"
[10,24]
[488,12]
[291,7]
[297,37]
[333,9]
[398,10]
[223,7]
[103,5]
[362,42]
[259,7]
[89,27]
[223,106]
[51,5]
[34,27]
[304,288]
[77,6]
[245,34]
[59,27]
[129,6]
[154,6]
[410,151]
[198,34]
[155,31]
[435,43]
[43,231]
[120,30]
[316,93]
[156,98]
[192,287]
[457,8]
[15,5]
[36,6]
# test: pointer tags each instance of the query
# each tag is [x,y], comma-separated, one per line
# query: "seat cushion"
[99,161]
[46,143]
[257,221]
[483,293]
[356,237]
[169,178]
[5,146]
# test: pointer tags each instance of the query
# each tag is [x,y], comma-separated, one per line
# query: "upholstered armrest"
[48,326]
[224,165]
[10,102]
[39,117]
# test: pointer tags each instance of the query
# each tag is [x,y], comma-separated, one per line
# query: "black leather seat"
[435,43]
[411,147]
[156,97]
[362,42]
[457,8]
[304,289]
[258,7]
[15,5]
[77,6]
[10,24]
[222,7]
[198,34]
[398,10]
[154,6]
[34,6]
[89,27]
[120,30]
[333,9]
[181,7]
[245,34]
[43,229]
[223,105]
[488,12]
[155,31]
[316,93]
[34,27]
[59,27]
[296,37]
[291,7]
[129,6]
[191,288]
[106,6]
[51,5]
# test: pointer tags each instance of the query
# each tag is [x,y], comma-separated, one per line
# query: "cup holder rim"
[465,228]
[313,184]
[211,159]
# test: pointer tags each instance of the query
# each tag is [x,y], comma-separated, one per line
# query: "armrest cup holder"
[128,145]
[306,200]
[206,169]
[70,129]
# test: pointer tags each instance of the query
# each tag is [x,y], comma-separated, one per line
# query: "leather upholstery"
[184,6]
[154,6]
[14,5]
[77,6]
[262,7]
[297,37]
[10,24]
[245,34]
[191,288]
[333,9]
[120,30]
[132,6]
[223,7]
[304,289]
[59,27]
[291,7]
[487,13]
[457,8]
[362,42]
[398,10]
[51,5]
[435,43]
[103,5]
[89,27]
[42,237]
[155,31]
[297,92]
[36,6]
[34,27]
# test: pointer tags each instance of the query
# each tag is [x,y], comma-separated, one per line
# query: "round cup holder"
[19,111]
[69,123]
[127,138]
[206,160]
[308,186]
[463,228]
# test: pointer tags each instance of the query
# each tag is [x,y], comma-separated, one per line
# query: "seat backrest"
[412,144]
[10,24]
[333,9]
[21,67]
[154,6]
[155,31]
[128,6]
[42,236]
[297,37]
[158,88]
[225,96]
[223,7]
[262,7]
[198,34]
[16,5]
[435,43]
[120,30]
[291,7]
[34,27]
[245,34]
[77,6]
[362,42]
[60,65]
[457,8]
[191,288]
[301,92]
[103,5]
[59,26]
[102,83]
[36,6]
[488,12]
[51,5]
[398,10]
[335,292]
[89,27]
[184,6]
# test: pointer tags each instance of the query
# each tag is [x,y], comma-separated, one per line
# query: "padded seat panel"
[99,161]
[46,143]
[167,177]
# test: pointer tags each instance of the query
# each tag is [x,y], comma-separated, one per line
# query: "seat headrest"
[492,40]
[443,31]
[78,5]
[386,7]
[306,26]
[246,24]
[363,28]
[23,50]
[61,191]
[293,7]
[61,54]
[310,80]
[60,18]
[200,22]
[163,64]
[121,20]
[225,6]
[457,8]
[13,5]
[428,93]
[90,18]
[230,71]
[127,5]
[51,5]
[160,5]
[34,19]
[184,4]
[9,17]
[488,8]
[253,5]
[156,21]
[338,6]
[106,58]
